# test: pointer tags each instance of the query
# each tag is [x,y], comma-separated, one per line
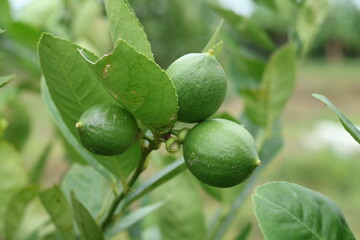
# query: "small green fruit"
[200,84]
[107,129]
[220,153]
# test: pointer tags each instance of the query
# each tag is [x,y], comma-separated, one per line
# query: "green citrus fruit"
[200,84]
[220,153]
[107,129]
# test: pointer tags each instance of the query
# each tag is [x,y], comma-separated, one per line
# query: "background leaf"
[214,40]
[6,79]
[12,177]
[74,89]
[246,28]
[181,217]
[125,25]
[169,172]
[91,188]
[16,209]
[139,85]
[310,17]
[348,125]
[5,14]
[289,211]
[264,105]
[132,218]
[58,208]
[88,227]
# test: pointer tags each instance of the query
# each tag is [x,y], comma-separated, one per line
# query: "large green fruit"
[220,153]
[107,129]
[200,84]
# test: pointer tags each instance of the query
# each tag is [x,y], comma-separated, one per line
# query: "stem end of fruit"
[211,52]
[258,162]
[78,125]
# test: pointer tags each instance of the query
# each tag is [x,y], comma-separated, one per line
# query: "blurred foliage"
[174,28]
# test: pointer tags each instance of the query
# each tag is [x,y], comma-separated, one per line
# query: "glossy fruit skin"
[200,84]
[107,129]
[220,153]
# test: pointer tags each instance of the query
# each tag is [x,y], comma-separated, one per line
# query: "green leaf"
[132,218]
[38,169]
[182,217]
[24,34]
[246,71]
[125,25]
[16,209]
[18,130]
[214,41]
[5,14]
[348,125]
[6,79]
[89,25]
[91,188]
[2,30]
[246,28]
[59,210]
[88,227]
[311,16]
[12,177]
[245,232]
[264,105]
[289,211]
[73,89]
[139,85]
[155,181]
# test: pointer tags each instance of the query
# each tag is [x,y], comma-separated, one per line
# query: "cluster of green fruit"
[218,152]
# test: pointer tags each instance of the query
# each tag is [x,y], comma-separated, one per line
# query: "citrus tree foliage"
[95,52]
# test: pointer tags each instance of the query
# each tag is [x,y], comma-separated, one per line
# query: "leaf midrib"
[290,214]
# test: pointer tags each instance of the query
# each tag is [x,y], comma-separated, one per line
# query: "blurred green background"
[318,153]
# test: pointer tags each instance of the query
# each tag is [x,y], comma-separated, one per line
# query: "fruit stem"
[211,52]
[139,169]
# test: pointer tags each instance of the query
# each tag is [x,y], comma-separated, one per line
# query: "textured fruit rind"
[107,129]
[220,153]
[200,84]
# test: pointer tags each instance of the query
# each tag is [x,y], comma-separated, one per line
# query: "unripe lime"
[220,153]
[107,129]
[200,84]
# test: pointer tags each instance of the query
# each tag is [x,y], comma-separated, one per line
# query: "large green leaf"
[348,125]
[16,210]
[311,16]
[73,89]
[265,104]
[12,177]
[6,79]
[59,210]
[91,188]
[125,25]
[246,28]
[132,218]
[289,211]
[88,227]
[139,85]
